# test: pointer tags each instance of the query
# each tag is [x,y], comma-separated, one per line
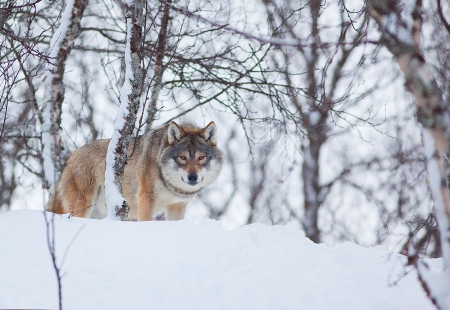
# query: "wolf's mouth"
[190,183]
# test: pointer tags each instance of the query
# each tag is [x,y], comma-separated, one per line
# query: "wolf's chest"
[165,197]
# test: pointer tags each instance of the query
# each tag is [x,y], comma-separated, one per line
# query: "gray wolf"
[169,165]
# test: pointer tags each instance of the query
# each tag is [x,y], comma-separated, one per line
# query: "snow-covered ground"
[183,265]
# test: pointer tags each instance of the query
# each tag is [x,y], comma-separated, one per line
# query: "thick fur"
[168,167]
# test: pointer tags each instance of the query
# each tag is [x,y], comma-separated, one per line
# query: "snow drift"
[181,265]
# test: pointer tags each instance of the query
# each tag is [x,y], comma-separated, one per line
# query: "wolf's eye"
[182,157]
[201,157]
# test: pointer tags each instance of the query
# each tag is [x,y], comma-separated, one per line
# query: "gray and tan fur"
[168,167]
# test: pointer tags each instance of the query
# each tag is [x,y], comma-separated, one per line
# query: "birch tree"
[60,47]
[117,155]
[400,30]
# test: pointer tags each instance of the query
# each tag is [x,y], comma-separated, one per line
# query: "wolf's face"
[190,166]
[192,159]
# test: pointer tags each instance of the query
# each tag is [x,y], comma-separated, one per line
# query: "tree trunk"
[311,188]
[60,47]
[130,94]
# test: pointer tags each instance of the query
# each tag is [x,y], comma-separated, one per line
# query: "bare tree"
[159,66]
[401,34]
[314,73]
[23,56]
[13,47]
[316,96]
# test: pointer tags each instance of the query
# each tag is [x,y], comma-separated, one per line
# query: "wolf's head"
[192,159]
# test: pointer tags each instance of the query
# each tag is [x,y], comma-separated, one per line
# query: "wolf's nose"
[192,177]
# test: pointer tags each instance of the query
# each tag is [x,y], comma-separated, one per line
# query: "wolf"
[168,166]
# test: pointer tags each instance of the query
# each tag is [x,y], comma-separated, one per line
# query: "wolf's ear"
[209,133]
[175,133]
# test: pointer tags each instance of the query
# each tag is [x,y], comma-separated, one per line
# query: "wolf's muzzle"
[192,178]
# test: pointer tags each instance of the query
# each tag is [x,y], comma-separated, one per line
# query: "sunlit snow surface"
[181,265]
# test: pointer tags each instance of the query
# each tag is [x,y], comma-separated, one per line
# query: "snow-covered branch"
[60,47]
[400,33]
[117,158]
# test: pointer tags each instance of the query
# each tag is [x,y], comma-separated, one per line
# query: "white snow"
[60,33]
[112,194]
[181,265]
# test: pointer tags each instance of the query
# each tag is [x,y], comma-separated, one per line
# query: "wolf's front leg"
[145,205]
[176,211]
